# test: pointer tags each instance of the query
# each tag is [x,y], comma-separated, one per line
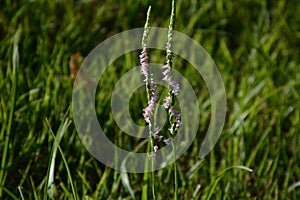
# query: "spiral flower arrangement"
[152,96]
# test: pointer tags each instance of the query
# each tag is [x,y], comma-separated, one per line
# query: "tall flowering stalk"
[152,96]
[173,86]
[173,90]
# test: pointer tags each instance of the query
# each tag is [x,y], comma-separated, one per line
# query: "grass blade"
[50,180]
[293,186]
[21,193]
[220,175]
[11,195]
[126,184]
[56,140]
[15,59]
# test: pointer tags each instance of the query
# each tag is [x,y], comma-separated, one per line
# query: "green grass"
[255,45]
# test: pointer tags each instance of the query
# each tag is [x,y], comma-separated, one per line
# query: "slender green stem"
[169,59]
[152,164]
[146,177]
[152,160]
[148,90]
[12,109]
[175,173]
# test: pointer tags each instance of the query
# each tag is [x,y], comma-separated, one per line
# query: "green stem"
[152,161]
[169,58]
[146,177]
[12,109]
[175,173]
[148,88]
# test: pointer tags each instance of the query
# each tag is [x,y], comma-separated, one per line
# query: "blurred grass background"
[255,45]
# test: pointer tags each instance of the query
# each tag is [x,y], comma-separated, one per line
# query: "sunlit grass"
[255,45]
